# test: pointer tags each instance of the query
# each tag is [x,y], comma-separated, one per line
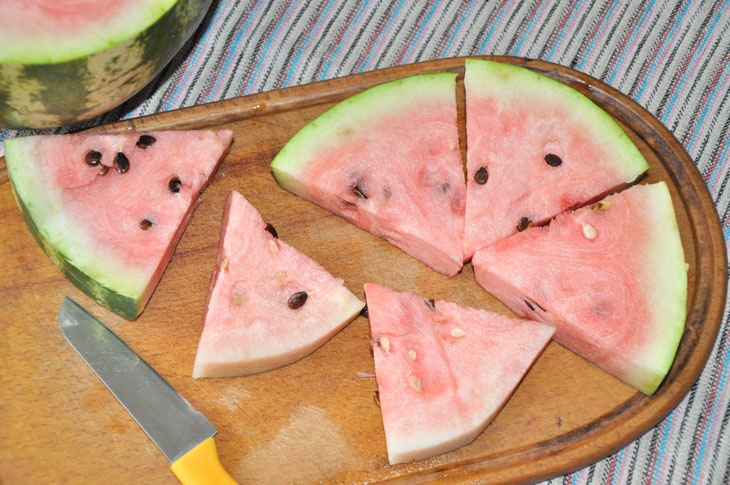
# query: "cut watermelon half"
[444,371]
[269,305]
[536,147]
[108,209]
[612,278]
[388,161]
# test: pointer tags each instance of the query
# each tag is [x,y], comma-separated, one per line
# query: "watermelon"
[108,209]
[268,305]
[612,278]
[388,161]
[536,147]
[443,371]
[65,61]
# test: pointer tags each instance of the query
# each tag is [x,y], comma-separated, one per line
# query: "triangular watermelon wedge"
[108,209]
[268,305]
[536,147]
[612,278]
[388,161]
[443,371]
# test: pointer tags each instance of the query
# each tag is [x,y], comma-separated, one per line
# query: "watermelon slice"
[62,61]
[612,279]
[108,209]
[268,305]
[443,371]
[535,148]
[388,161]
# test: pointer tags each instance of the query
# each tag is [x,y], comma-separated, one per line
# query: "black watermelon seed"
[431,304]
[121,162]
[444,187]
[174,185]
[481,176]
[376,398]
[553,160]
[145,224]
[297,300]
[523,224]
[532,308]
[104,170]
[146,141]
[93,158]
[271,230]
[358,191]
[364,312]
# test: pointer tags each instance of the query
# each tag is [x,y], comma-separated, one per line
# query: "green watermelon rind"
[28,50]
[669,270]
[514,81]
[356,111]
[117,288]
[62,92]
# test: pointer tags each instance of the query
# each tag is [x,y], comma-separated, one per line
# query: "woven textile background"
[672,57]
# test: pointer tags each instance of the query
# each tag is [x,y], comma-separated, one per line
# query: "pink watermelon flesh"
[515,119]
[443,371]
[613,282]
[113,226]
[249,326]
[388,161]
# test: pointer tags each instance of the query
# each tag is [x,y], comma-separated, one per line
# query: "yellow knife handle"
[201,466]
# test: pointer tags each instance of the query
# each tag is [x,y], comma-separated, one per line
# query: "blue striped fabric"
[671,57]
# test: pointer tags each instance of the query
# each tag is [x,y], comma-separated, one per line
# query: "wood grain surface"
[315,420]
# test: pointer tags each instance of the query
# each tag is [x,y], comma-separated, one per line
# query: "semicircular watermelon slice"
[536,147]
[444,371]
[64,61]
[268,305]
[612,278]
[388,161]
[108,209]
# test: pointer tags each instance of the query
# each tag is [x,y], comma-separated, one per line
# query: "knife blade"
[180,431]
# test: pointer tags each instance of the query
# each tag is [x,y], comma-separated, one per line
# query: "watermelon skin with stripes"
[63,62]
[387,160]
[444,371]
[536,148]
[611,278]
[112,232]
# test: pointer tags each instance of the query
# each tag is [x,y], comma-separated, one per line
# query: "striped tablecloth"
[670,56]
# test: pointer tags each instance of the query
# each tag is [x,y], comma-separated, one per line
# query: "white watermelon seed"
[237,300]
[281,274]
[224,264]
[415,383]
[589,231]
[385,343]
[412,354]
[601,205]
[457,332]
[104,170]
[273,247]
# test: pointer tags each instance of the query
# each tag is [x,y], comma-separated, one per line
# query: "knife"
[181,432]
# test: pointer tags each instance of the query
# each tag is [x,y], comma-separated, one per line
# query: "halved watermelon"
[536,147]
[611,278]
[388,161]
[62,61]
[108,209]
[443,371]
[268,305]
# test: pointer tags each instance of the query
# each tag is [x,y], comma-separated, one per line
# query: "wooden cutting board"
[315,420]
